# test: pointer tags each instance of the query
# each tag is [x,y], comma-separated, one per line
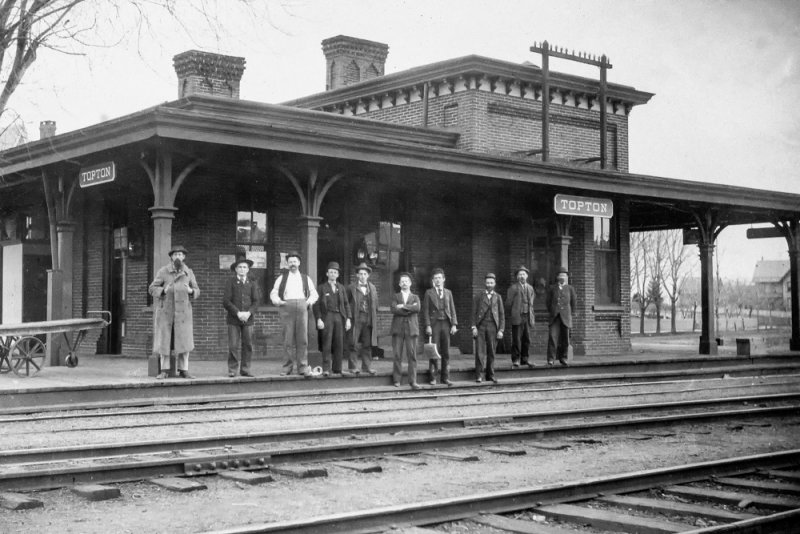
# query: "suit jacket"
[481,304]
[240,297]
[430,307]
[329,300]
[401,316]
[354,297]
[561,302]
[514,301]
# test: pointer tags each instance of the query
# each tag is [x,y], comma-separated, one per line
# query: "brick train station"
[471,164]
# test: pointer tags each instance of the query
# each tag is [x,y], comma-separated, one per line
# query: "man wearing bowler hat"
[294,294]
[520,301]
[488,323]
[332,311]
[561,300]
[363,300]
[172,290]
[240,300]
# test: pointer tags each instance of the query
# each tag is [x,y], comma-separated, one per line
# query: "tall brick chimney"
[47,129]
[350,60]
[204,73]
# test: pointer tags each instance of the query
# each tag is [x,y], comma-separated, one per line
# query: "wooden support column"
[790,230]
[709,230]
[165,189]
[309,230]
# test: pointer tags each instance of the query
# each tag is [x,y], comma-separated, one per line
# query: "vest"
[282,286]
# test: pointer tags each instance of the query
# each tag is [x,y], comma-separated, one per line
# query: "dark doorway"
[34,288]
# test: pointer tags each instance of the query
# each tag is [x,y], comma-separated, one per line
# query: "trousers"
[294,315]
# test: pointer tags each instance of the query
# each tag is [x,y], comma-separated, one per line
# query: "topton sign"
[583,206]
[98,174]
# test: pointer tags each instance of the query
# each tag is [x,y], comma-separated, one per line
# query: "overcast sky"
[725,73]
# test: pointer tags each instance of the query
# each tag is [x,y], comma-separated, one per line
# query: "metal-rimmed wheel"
[71,360]
[27,356]
[5,350]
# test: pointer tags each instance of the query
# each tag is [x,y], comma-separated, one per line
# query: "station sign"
[583,206]
[98,174]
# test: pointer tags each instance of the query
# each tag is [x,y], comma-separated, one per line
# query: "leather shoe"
[325,373]
[372,372]
[396,384]
[479,380]
[433,382]
[231,374]
[247,374]
[447,382]
[530,365]
[495,380]
[415,386]
[161,376]
[563,362]
[514,365]
[185,374]
[550,362]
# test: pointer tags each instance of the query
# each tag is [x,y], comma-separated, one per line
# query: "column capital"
[162,212]
[309,221]
[66,226]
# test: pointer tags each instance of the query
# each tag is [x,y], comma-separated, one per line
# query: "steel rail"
[219,404]
[25,475]
[454,509]
[203,390]
[277,436]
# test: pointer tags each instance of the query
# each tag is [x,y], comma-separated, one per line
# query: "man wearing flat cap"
[294,293]
[332,311]
[363,299]
[520,301]
[240,299]
[561,300]
[488,323]
[173,289]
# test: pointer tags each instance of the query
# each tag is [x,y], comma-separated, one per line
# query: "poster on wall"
[225,261]
[258,257]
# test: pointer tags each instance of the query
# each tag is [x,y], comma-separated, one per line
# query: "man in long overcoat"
[363,298]
[172,290]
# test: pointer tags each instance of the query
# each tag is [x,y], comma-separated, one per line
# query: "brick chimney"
[204,73]
[47,129]
[350,60]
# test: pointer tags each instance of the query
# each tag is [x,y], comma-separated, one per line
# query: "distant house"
[773,285]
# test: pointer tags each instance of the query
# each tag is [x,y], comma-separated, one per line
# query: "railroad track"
[753,494]
[58,467]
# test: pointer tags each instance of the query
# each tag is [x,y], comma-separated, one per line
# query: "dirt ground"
[146,508]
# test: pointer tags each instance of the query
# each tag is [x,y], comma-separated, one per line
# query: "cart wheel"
[71,360]
[27,356]
[5,346]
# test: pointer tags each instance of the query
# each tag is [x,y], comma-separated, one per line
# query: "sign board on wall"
[98,174]
[583,206]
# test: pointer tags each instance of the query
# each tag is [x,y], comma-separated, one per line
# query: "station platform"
[108,378]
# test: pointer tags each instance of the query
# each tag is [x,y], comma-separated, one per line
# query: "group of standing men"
[339,309]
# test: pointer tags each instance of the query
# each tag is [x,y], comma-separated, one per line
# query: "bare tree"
[677,267]
[640,275]
[29,27]
[657,259]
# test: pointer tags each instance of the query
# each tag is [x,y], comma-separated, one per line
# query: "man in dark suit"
[439,318]
[332,311]
[488,323]
[520,301]
[561,299]
[240,300]
[405,331]
[363,299]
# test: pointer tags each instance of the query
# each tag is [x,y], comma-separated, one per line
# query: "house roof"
[770,271]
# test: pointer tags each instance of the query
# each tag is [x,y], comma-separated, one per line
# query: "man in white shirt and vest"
[294,294]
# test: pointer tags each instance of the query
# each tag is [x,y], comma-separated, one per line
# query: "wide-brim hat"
[521,268]
[363,267]
[235,264]
[178,248]
[333,265]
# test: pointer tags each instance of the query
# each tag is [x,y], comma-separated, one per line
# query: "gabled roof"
[770,271]
[463,67]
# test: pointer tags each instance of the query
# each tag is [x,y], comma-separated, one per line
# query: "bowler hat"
[178,248]
[333,265]
[363,267]
[241,259]
[294,254]
[521,268]
[563,270]
[490,275]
